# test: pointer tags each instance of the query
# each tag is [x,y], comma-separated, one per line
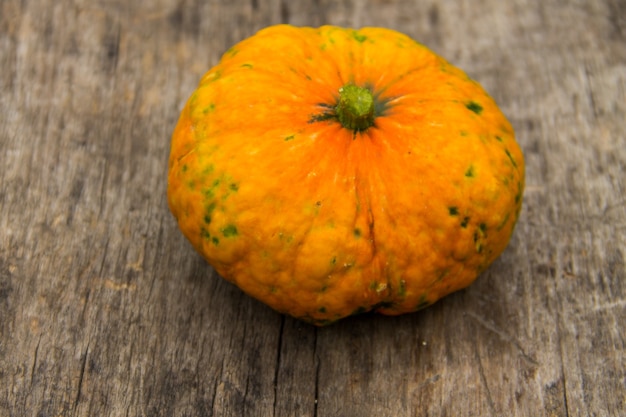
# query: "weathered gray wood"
[106,310]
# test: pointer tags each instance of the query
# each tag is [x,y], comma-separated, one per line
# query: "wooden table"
[105,309]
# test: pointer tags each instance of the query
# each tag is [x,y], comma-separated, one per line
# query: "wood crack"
[504,336]
[559,335]
[483,379]
[79,389]
[590,95]
[317,376]
[35,356]
[278,357]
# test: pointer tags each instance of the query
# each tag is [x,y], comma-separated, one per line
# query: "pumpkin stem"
[355,109]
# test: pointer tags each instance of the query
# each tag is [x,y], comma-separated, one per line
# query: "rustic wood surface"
[105,309]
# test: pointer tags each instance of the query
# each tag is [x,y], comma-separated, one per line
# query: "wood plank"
[106,310]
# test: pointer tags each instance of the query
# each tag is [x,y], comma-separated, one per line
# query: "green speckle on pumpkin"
[312,209]
[464,133]
[290,137]
[470,172]
[383,304]
[208,170]
[504,222]
[465,222]
[234,187]
[475,107]
[322,309]
[317,322]
[193,99]
[510,157]
[184,168]
[518,196]
[357,233]
[499,139]
[208,193]
[454,211]
[322,117]
[358,37]
[286,239]
[209,78]
[209,109]
[482,228]
[422,303]
[442,274]
[210,208]
[478,241]
[359,310]
[230,231]
[333,261]
[204,233]
[207,219]
[250,66]
[215,241]
[402,288]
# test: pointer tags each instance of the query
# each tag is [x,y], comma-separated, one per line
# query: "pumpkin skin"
[322,221]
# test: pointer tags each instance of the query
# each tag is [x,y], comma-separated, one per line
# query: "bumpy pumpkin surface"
[330,171]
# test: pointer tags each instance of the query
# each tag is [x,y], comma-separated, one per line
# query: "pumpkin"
[330,171]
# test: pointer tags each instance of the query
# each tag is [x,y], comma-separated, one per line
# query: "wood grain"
[105,310]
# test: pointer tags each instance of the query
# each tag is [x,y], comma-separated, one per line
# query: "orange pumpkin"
[330,171]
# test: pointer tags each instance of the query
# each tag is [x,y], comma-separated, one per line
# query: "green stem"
[355,109]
